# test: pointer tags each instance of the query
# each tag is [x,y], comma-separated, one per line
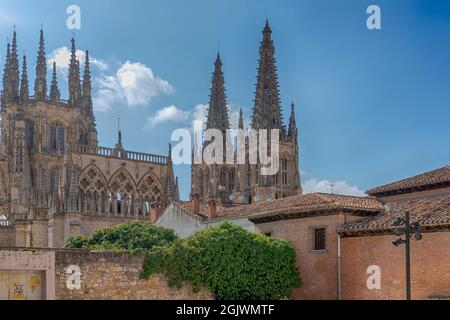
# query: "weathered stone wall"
[7,236]
[430,267]
[36,233]
[114,276]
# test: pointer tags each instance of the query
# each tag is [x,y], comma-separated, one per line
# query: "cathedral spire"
[266,109]
[13,74]
[177,190]
[170,182]
[24,91]
[292,132]
[74,76]
[218,111]
[87,88]
[5,91]
[40,84]
[241,119]
[54,91]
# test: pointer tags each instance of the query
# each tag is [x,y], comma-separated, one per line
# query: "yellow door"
[21,285]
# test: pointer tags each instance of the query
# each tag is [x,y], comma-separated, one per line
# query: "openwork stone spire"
[241,119]
[74,77]
[292,132]
[218,111]
[5,90]
[24,91]
[54,91]
[13,73]
[177,190]
[170,181]
[266,110]
[40,84]
[87,88]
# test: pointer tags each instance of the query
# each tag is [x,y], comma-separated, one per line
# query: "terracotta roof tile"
[429,212]
[294,204]
[429,179]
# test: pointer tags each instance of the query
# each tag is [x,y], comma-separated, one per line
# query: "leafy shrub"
[230,261]
[78,242]
[132,237]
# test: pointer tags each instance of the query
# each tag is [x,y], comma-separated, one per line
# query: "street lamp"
[405,228]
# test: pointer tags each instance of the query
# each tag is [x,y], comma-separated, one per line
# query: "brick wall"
[318,270]
[430,267]
[114,276]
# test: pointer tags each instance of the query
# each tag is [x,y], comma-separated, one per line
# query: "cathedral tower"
[243,183]
[54,178]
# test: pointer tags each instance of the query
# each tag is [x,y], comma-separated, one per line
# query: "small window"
[319,239]
[268,234]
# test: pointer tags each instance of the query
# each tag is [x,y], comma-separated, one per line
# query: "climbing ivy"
[230,261]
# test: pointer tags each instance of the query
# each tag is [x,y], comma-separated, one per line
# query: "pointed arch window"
[284,166]
[30,134]
[57,138]
[53,143]
[61,134]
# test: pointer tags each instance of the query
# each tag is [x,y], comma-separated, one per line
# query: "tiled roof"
[429,212]
[313,202]
[432,179]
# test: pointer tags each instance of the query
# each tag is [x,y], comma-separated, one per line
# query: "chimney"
[212,209]
[196,203]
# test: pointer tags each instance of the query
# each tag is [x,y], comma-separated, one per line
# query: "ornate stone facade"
[243,183]
[55,180]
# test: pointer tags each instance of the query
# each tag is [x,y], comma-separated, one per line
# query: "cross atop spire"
[292,132]
[87,88]
[218,62]
[74,76]
[119,145]
[24,91]
[13,72]
[40,84]
[54,91]
[217,111]
[266,109]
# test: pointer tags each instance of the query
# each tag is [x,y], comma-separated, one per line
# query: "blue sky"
[372,105]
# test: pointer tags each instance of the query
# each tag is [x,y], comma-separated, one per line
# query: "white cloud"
[324,186]
[134,84]
[62,57]
[140,85]
[107,92]
[169,113]
[200,113]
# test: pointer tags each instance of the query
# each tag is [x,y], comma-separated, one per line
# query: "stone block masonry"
[114,276]
[84,275]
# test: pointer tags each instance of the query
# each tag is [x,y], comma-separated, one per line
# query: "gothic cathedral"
[243,183]
[55,180]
